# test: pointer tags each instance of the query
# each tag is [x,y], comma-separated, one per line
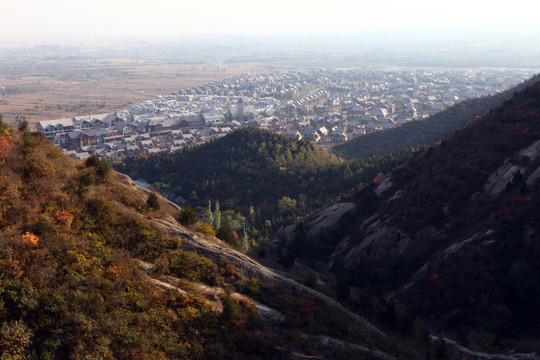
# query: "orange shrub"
[227,268]
[5,146]
[64,217]
[114,271]
[30,239]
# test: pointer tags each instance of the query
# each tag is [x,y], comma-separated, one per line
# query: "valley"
[417,250]
[410,236]
[415,242]
[294,180]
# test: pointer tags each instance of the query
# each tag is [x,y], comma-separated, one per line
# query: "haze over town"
[66,21]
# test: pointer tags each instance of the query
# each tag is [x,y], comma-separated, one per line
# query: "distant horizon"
[368,36]
[36,22]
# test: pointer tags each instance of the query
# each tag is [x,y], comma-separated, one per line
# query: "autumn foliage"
[5,146]
[30,239]
[64,217]
[71,286]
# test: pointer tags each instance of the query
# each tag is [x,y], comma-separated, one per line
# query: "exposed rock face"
[457,351]
[382,236]
[383,186]
[318,222]
[532,151]
[381,240]
[531,180]
[250,268]
[498,180]
[477,242]
[329,217]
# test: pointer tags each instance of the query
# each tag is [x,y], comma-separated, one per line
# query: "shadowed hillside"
[423,132]
[453,235]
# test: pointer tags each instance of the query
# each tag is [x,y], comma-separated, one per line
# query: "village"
[323,106]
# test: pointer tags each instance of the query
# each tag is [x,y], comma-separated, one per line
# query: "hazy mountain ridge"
[453,234]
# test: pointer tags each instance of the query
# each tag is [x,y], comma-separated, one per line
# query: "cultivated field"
[49,93]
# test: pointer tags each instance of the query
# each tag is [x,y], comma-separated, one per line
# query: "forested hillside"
[269,178]
[70,284]
[423,132]
[94,267]
[453,235]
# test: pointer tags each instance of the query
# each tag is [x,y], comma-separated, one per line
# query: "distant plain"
[54,81]
[94,89]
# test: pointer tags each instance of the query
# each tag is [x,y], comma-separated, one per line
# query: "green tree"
[517,179]
[208,216]
[441,349]
[231,311]
[225,233]
[102,166]
[389,316]
[228,115]
[286,206]
[524,189]
[252,214]
[28,142]
[153,202]
[217,216]
[3,126]
[245,239]
[23,124]
[188,216]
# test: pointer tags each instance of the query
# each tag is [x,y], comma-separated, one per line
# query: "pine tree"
[208,215]
[217,216]
[188,216]
[225,233]
[301,237]
[245,240]
[153,202]
[231,311]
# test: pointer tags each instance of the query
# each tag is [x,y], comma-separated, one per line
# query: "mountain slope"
[251,170]
[453,234]
[423,132]
[90,270]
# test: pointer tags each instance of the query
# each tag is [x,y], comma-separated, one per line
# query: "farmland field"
[47,91]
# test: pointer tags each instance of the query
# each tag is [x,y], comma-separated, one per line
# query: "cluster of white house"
[318,105]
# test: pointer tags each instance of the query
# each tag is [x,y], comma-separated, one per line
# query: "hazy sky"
[39,21]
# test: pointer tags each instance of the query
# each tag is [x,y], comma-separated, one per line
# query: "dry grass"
[100,89]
